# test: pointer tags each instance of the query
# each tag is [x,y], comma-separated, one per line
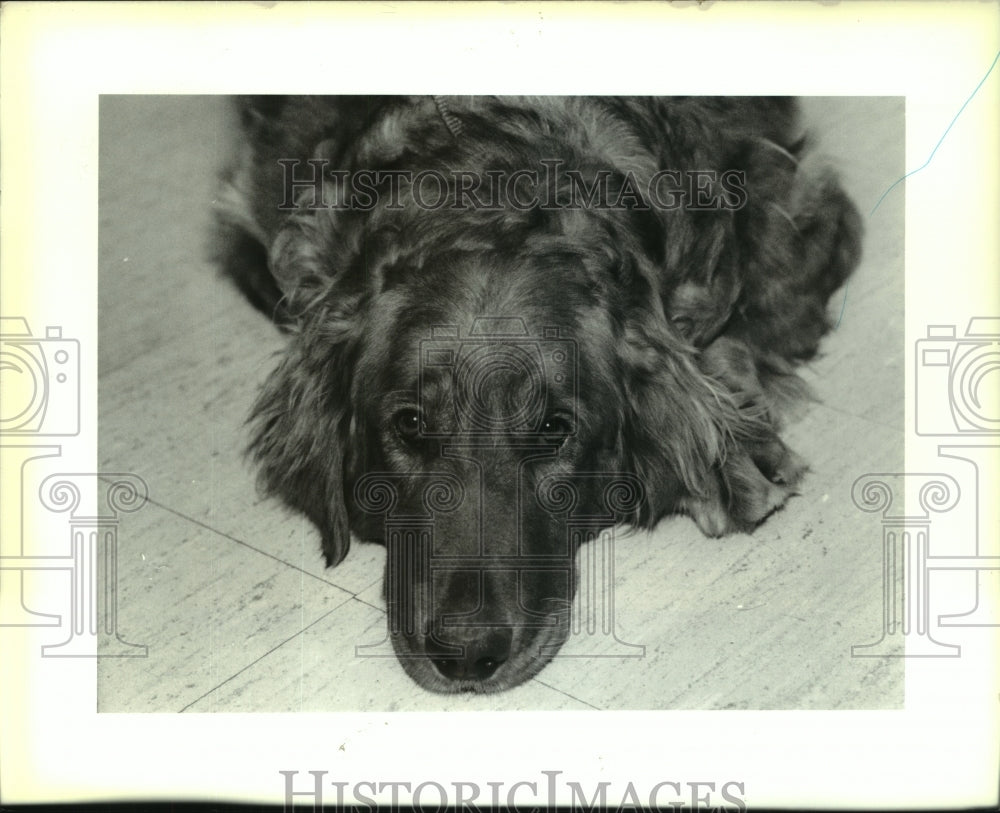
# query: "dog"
[510,319]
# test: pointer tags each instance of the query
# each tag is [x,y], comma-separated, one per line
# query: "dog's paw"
[752,482]
[756,473]
[779,464]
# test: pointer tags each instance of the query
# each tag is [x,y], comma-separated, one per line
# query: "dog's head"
[477,389]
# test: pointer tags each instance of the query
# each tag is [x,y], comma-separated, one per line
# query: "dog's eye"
[408,423]
[556,428]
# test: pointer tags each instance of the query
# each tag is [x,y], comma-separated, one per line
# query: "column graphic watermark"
[409,540]
[957,395]
[905,559]
[91,563]
[591,530]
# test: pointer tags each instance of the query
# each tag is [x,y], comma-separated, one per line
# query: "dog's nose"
[478,658]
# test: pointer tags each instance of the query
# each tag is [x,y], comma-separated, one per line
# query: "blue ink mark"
[944,135]
[922,166]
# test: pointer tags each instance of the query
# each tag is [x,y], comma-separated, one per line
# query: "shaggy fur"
[644,344]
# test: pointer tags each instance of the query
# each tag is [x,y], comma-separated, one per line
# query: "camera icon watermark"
[519,557]
[497,348]
[39,381]
[958,379]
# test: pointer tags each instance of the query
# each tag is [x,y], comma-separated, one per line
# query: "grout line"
[351,597]
[231,538]
[878,424]
[259,659]
[368,603]
[566,694]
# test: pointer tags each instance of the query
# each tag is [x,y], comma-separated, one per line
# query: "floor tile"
[750,621]
[319,670]
[206,608]
[759,621]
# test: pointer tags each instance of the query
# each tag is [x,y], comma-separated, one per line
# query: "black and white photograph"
[500,405]
[547,400]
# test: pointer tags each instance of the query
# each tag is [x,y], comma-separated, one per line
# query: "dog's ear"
[695,449]
[299,435]
[303,415]
[299,260]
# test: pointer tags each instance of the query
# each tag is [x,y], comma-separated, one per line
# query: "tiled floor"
[229,592]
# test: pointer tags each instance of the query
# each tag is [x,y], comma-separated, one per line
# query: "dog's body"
[482,359]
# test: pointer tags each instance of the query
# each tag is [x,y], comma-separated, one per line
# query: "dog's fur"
[685,323]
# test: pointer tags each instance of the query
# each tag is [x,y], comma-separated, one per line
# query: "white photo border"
[58,59]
